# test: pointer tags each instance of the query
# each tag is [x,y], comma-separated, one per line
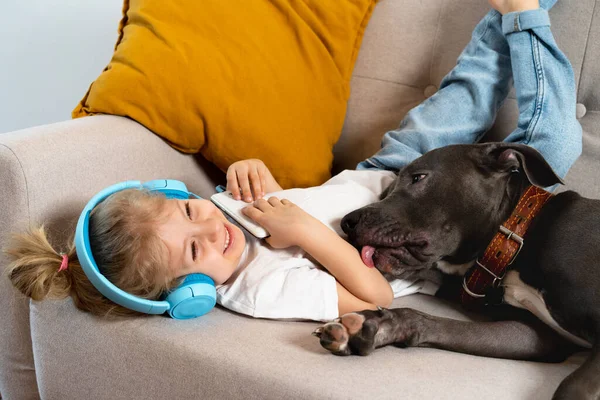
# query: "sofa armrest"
[48,173]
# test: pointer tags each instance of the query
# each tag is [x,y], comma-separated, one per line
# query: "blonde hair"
[126,248]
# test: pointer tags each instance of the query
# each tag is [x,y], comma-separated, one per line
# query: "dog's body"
[440,215]
[561,263]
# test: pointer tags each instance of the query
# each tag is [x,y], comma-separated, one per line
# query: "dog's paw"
[352,333]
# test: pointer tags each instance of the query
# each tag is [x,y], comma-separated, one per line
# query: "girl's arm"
[360,287]
[343,261]
[347,302]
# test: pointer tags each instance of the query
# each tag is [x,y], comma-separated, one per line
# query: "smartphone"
[225,201]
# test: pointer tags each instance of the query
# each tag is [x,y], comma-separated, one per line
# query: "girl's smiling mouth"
[228,239]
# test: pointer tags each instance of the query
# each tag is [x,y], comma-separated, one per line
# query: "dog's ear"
[513,157]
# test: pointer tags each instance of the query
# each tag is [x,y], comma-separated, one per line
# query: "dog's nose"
[350,221]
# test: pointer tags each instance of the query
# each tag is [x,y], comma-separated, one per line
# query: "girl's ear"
[512,157]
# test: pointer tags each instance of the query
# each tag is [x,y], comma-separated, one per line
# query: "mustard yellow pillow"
[237,79]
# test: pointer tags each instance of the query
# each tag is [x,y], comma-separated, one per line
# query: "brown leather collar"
[487,273]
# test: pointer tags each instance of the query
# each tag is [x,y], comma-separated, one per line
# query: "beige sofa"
[51,350]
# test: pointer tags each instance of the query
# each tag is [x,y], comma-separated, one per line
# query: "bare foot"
[506,6]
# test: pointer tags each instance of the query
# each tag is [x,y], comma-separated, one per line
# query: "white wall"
[50,52]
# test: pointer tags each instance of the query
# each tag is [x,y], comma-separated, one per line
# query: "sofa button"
[580,110]
[430,90]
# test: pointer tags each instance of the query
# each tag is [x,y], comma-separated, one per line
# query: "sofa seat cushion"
[224,355]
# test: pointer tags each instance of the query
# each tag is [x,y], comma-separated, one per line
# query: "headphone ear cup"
[195,296]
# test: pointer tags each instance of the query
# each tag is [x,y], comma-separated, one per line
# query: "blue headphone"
[194,297]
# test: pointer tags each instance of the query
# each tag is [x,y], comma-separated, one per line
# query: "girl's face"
[200,239]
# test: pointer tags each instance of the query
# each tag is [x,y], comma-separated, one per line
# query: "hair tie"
[65,262]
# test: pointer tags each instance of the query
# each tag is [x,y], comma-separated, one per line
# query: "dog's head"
[446,205]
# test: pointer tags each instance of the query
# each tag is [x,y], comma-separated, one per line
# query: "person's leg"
[465,105]
[545,87]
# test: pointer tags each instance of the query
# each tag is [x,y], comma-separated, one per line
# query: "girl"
[144,243]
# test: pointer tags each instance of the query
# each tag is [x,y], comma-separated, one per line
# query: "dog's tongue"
[367,255]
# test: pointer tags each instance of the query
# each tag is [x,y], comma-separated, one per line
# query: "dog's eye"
[418,177]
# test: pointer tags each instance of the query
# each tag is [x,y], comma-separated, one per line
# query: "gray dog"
[438,217]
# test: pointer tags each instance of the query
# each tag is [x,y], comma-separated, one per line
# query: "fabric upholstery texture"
[48,174]
[229,356]
[237,79]
[407,48]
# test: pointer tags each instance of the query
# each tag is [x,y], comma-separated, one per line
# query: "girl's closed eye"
[187,210]
[193,251]
[189,214]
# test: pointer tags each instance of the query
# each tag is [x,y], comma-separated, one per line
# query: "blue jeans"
[517,46]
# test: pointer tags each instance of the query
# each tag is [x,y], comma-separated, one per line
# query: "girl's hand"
[286,222]
[250,178]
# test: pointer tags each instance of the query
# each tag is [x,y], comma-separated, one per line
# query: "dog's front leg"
[583,383]
[360,333]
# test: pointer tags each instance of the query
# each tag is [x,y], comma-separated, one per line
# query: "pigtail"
[41,272]
[126,248]
[34,270]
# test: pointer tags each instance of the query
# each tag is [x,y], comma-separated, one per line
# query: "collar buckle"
[516,238]
[510,235]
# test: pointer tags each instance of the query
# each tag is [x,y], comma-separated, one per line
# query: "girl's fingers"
[263,205]
[285,202]
[232,183]
[242,178]
[263,179]
[256,183]
[252,212]
[274,201]
[247,180]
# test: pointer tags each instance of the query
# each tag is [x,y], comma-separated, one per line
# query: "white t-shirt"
[288,283]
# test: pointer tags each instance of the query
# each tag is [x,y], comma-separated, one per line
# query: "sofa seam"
[387,81]
[24,178]
[28,218]
[585,48]
[433,45]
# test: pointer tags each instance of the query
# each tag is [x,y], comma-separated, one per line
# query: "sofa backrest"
[410,45]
